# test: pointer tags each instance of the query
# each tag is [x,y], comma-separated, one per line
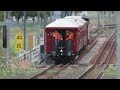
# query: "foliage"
[12,47]
[1,16]
[17,68]
[2,52]
[17,14]
[110,71]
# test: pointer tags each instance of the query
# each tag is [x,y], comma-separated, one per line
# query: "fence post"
[30,56]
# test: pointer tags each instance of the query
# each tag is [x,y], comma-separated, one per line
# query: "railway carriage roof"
[66,23]
[76,17]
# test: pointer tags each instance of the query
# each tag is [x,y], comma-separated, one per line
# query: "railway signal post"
[8,37]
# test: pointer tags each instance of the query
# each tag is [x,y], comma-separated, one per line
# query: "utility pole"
[24,12]
[38,17]
[118,43]
[103,18]
[98,20]
[45,23]
[50,16]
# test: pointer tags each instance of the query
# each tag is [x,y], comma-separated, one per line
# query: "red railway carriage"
[80,39]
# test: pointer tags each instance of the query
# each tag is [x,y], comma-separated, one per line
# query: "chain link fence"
[103,20]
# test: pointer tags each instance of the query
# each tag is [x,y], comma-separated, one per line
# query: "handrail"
[30,55]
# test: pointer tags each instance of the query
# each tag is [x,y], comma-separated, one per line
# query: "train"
[76,24]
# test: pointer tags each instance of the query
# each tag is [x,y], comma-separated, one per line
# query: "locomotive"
[75,24]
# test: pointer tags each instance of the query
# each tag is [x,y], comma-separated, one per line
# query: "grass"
[110,71]
[2,52]
[12,47]
[7,73]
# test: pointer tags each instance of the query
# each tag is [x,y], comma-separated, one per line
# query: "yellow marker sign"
[19,46]
[19,39]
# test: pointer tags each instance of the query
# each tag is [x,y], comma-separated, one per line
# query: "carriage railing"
[61,43]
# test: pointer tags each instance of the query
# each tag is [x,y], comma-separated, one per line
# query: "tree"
[1,19]
[31,14]
[17,14]
[1,16]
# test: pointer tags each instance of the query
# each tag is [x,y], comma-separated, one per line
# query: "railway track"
[92,41]
[100,75]
[50,72]
[40,73]
[97,31]
[98,59]
[44,74]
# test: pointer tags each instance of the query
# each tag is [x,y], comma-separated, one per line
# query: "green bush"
[110,71]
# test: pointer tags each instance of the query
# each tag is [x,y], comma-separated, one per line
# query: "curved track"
[98,59]
[52,71]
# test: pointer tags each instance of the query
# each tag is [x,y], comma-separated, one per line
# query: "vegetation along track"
[98,59]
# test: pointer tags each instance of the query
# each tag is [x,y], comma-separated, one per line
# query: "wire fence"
[31,29]
[103,20]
